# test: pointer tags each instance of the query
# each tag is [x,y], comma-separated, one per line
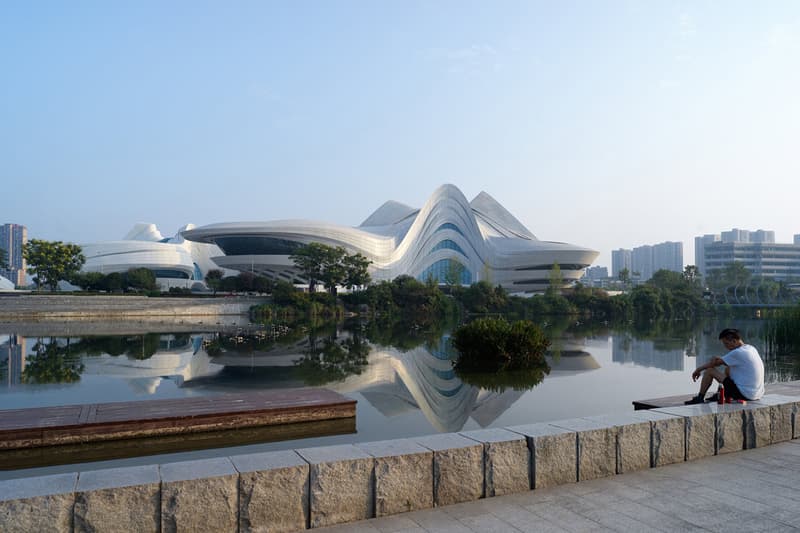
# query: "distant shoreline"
[27,307]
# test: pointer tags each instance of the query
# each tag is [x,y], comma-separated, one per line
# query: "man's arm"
[715,361]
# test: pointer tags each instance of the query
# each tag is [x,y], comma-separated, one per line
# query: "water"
[402,378]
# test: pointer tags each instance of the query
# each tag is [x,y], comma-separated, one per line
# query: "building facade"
[13,238]
[175,261]
[756,250]
[620,259]
[644,261]
[479,239]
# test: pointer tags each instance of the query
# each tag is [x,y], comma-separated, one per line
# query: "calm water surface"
[404,384]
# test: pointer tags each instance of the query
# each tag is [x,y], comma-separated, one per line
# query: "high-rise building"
[13,238]
[700,244]
[756,250]
[642,262]
[668,256]
[620,259]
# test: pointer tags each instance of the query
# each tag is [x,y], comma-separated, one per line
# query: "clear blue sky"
[603,124]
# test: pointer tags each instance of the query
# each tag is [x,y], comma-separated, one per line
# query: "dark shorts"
[731,390]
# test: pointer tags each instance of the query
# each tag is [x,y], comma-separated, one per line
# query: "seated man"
[740,371]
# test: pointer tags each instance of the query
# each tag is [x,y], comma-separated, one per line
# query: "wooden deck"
[789,388]
[72,424]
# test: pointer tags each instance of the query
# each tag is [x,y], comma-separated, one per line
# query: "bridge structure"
[755,296]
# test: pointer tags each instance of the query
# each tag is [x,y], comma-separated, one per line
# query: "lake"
[401,377]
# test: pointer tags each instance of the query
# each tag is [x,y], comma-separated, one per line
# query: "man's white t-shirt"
[747,370]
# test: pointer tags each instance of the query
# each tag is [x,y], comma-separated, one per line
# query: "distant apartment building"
[668,256]
[700,244]
[596,272]
[756,250]
[13,238]
[644,261]
[620,259]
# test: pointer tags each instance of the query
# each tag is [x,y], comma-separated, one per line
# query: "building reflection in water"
[666,355]
[393,381]
[178,358]
[12,359]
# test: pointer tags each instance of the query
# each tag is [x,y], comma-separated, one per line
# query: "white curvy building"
[479,240]
[6,284]
[175,261]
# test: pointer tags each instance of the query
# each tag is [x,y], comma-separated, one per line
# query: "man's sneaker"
[694,400]
[713,398]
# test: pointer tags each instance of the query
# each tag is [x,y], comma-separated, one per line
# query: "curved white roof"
[482,236]
[6,284]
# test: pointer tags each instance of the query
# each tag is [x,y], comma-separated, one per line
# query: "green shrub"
[494,344]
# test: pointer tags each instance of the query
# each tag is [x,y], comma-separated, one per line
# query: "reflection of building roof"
[482,237]
[182,363]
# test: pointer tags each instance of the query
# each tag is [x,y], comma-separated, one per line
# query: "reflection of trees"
[333,360]
[52,363]
[518,380]
[404,334]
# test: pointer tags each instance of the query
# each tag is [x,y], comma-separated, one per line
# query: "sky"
[605,124]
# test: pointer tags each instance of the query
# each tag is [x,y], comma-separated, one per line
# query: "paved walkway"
[753,490]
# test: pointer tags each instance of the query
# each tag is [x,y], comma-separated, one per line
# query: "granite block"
[118,500]
[506,461]
[633,446]
[783,411]
[667,437]
[37,504]
[457,468]
[597,447]
[700,427]
[403,476]
[554,454]
[199,496]
[273,491]
[341,484]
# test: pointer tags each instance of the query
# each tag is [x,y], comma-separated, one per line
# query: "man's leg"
[709,375]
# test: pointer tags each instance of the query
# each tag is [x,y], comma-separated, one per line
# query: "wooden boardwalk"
[72,424]
[788,388]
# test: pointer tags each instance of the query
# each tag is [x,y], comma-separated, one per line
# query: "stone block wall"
[313,487]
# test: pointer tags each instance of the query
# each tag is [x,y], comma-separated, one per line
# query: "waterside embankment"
[315,487]
[33,307]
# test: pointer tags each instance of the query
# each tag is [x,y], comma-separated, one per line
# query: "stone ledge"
[311,487]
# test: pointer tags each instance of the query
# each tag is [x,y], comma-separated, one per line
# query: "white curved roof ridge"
[143,231]
[491,209]
[447,204]
[389,213]
[482,236]
[6,284]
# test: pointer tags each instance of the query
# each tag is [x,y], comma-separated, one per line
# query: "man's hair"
[730,333]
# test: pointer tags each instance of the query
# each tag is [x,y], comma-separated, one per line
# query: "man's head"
[730,338]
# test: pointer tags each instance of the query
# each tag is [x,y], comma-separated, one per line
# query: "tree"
[141,279]
[356,274]
[455,271]
[692,274]
[214,279]
[89,281]
[556,280]
[51,261]
[309,259]
[330,266]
